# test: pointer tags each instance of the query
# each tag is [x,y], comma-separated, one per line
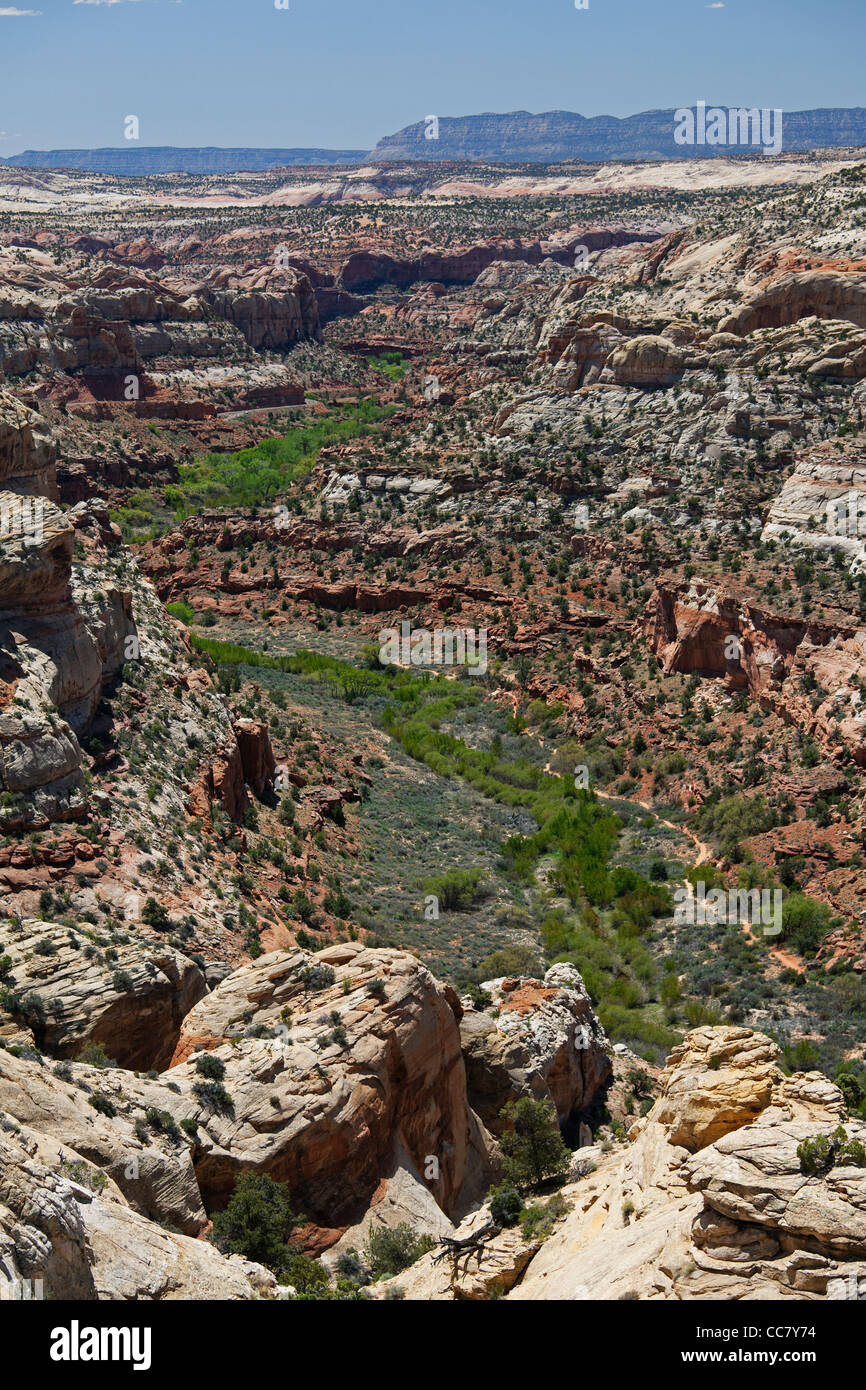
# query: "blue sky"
[340,73]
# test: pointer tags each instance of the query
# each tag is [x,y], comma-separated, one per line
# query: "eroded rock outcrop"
[27,453]
[61,638]
[539,1038]
[647,360]
[826,294]
[132,1004]
[359,1057]
[110,1127]
[272,307]
[822,507]
[696,627]
[732,1216]
[715,1082]
[83,1246]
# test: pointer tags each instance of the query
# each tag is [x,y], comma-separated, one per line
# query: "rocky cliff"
[518,136]
[60,641]
[698,628]
[343,1078]
[707,1200]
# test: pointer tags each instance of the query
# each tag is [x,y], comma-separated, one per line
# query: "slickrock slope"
[132,1003]
[707,1202]
[333,1081]
[542,1039]
[107,719]
[112,1127]
[88,1247]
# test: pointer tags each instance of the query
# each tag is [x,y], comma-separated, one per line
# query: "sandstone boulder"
[132,1004]
[465,1271]
[715,1082]
[344,1065]
[648,361]
[541,1038]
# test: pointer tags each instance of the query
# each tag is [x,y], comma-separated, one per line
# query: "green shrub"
[102,1103]
[182,611]
[512,961]
[256,1222]
[316,977]
[94,1055]
[537,1221]
[213,1096]
[457,890]
[805,923]
[209,1066]
[822,1152]
[533,1149]
[390,1249]
[155,915]
[506,1204]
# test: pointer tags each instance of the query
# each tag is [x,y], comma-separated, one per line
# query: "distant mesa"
[516,137]
[520,137]
[140,161]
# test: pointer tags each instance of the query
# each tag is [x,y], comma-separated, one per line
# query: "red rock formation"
[257,756]
[695,628]
[247,761]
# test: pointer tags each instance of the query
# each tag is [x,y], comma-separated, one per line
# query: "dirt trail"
[705,851]
[705,856]
[785,959]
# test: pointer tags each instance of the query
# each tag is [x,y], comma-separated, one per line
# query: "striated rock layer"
[695,627]
[356,1067]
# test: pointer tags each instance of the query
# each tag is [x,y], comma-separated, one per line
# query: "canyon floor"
[281,896]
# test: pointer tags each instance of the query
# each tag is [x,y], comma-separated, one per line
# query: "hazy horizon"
[333,76]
